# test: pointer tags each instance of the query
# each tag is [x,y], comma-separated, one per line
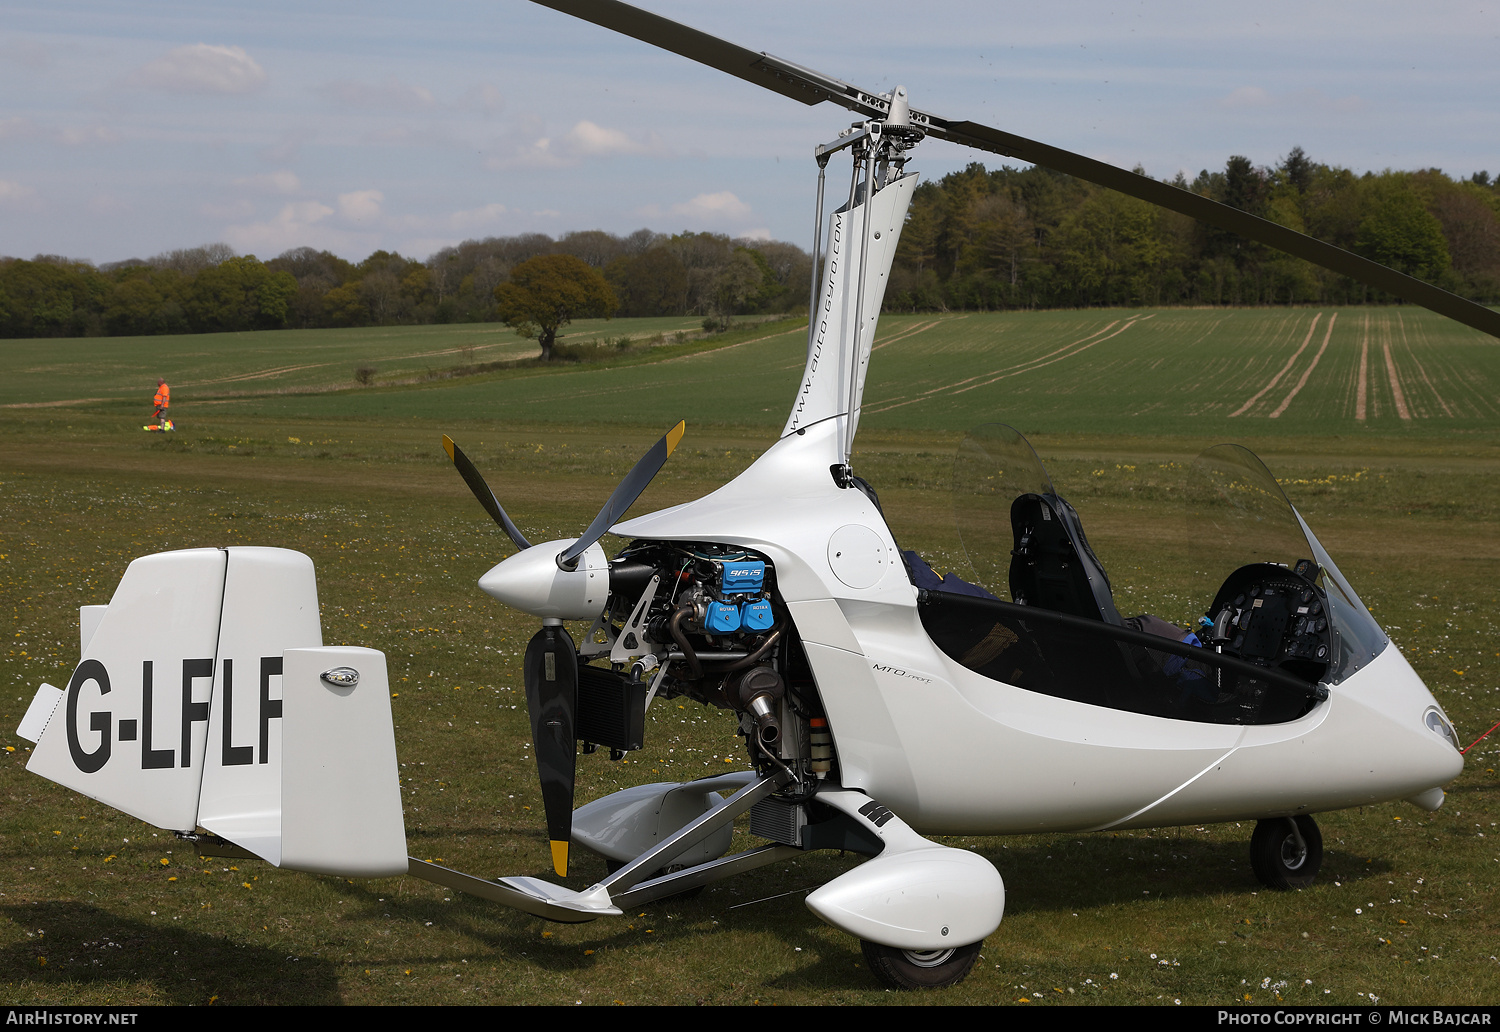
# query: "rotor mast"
[850,276]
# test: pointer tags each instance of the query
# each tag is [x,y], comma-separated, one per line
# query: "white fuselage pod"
[952,751]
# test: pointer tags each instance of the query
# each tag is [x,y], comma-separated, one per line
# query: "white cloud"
[715,207]
[719,212]
[12,191]
[466,221]
[361,205]
[297,224]
[388,94]
[283,181]
[585,141]
[433,233]
[203,68]
[475,217]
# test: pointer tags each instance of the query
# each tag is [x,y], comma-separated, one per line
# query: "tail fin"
[180,713]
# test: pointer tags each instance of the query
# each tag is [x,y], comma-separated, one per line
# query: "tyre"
[920,969]
[1277,858]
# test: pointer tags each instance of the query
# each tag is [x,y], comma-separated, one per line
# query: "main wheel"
[920,969]
[1277,858]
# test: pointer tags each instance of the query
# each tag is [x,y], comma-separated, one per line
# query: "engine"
[704,622]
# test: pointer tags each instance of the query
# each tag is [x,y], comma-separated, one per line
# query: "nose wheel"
[1286,852]
[920,969]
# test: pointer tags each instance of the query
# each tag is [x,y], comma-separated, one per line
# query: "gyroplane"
[878,702]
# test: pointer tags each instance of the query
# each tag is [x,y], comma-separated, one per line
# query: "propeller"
[811,87]
[567,584]
[551,669]
[624,496]
[482,492]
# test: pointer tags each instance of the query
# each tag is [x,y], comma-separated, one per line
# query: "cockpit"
[1272,623]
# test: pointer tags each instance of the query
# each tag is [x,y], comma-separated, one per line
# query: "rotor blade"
[482,492]
[551,673]
[812,87]
[1165,195]
[783,77]
[625,495]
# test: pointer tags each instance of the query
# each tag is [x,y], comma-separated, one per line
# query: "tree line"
[978,239]
[209,289]
[1032,238]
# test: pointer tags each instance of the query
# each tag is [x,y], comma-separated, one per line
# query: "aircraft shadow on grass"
[86,946]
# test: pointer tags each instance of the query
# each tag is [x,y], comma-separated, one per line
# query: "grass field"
[277,446]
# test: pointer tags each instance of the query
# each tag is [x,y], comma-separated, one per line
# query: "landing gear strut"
[1286,852]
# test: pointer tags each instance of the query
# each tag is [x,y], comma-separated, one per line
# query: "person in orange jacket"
[162,401]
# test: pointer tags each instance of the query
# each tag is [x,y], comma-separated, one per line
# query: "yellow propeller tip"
[674,435]
[560,858]
[448,446]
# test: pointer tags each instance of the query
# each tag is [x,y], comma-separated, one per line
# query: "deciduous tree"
[548,292]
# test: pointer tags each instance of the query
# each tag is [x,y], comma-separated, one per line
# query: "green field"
[278,446]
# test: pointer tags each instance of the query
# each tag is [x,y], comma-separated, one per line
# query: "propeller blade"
[811,87]
[625,495]
[482,492]
[551,673]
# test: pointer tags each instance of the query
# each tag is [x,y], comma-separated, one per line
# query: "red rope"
[1480,738]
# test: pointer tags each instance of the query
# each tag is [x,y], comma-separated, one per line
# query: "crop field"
[1380,423]
[103,370]
[1221,373]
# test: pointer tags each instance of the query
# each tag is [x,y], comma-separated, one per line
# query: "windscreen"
[1240,510]
[1165,537]
[994,466]
[1246,513]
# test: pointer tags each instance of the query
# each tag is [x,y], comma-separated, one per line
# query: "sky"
[132,128]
